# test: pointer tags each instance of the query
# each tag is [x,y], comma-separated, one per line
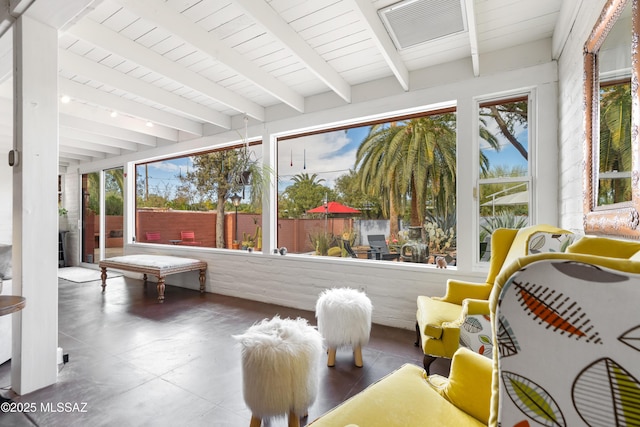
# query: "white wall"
[571,133]
[6,173]
[296,281]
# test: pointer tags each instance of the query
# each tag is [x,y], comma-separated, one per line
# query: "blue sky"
[329,155]
[507,156]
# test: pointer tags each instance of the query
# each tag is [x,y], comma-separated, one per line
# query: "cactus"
[258,238]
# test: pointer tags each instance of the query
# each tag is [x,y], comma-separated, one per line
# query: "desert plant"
[321,241]
[501,221]
[440,229]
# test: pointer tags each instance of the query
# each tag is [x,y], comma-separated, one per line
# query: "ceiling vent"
[411,22]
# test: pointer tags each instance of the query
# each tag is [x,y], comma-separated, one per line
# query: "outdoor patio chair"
[189,238]
[354,253]
[381,250]
[152,236]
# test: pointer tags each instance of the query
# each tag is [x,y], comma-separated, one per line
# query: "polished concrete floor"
[134,362]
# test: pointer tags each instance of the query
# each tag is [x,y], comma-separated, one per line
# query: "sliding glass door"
[102,215]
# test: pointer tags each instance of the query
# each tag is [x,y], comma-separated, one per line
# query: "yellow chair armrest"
[469,384]
[458,290]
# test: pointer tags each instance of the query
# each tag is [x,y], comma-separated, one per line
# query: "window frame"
[133,236]
[425,110]
[492,99]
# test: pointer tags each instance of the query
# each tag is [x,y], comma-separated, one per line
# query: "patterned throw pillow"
[475,332]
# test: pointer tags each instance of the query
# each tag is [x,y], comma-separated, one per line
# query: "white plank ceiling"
[190,66]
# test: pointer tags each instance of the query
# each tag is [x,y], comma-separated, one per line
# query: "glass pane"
[502,205]
[614,178]
[114,206]
[383,191]
[504,139]
[189,200]
[91,217]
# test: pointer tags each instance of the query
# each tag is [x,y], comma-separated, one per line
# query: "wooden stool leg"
[331,361]
[255,421]
[294,420]
[357,356]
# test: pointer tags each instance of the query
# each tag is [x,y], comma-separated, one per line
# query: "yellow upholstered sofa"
[475,392]
[439,319]
[408,397]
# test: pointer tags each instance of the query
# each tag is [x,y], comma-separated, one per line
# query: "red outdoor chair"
[189,238]
[152,236]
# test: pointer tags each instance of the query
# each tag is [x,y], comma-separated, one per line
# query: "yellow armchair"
[550,366]
[441,321]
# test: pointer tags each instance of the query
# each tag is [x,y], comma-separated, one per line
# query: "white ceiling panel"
[189,65]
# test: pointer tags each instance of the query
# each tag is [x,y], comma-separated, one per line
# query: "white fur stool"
[344,319]
[280,368]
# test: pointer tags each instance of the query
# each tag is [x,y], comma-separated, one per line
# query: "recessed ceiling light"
[114,114]
[149,124]
[65,99]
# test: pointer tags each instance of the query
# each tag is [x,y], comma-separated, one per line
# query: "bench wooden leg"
[103,276]
[202,279]
[160,288]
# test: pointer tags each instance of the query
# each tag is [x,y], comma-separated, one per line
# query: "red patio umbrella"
[334,208]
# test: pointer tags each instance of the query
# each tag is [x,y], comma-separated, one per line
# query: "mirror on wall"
[612,167]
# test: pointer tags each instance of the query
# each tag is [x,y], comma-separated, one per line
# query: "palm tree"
[415,160]
[375,179]
[305,193]
[304,179]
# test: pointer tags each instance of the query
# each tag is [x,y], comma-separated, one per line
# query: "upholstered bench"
[158,265]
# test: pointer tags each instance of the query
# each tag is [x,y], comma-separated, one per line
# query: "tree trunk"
[504,129]
[393,214]
[220,219]
[416,217]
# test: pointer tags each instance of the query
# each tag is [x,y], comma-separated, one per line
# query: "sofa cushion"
[401,399]
[468,385]
[432,313]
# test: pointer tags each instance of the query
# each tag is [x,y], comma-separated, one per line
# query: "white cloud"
[327,154]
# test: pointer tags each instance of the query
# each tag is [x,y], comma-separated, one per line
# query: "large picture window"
[504,184]
[378,191]
[209,199]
